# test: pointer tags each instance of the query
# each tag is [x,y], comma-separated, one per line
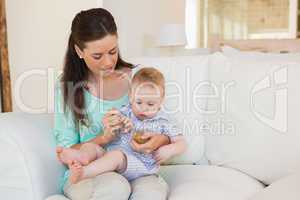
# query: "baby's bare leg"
[110,161]
[88,152]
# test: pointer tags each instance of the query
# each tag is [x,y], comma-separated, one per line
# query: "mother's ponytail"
[74,76]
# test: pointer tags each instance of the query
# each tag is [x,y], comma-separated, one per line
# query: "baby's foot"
[59,149]
[67,155]
[76,172]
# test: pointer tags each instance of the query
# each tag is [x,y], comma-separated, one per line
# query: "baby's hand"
[127,123]
[163,154]
[112,120]
[145,148]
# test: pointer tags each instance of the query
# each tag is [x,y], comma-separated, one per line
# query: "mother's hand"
[112,120]
[155,141]
[112,123]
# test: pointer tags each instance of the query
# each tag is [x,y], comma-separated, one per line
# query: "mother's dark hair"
[88,25]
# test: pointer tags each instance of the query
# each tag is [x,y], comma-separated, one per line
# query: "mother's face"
[101,55]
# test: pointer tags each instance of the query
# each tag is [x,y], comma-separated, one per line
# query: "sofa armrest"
[285,188]
[30,170]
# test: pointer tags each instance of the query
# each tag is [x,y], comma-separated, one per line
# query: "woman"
[95,80]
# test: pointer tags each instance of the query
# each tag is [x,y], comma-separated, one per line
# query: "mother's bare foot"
[76,171]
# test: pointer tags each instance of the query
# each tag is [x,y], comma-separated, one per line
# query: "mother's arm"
[65,132]
[111,122]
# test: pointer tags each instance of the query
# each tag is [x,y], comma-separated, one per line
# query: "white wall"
[139,21]
[37,36]
[38,32]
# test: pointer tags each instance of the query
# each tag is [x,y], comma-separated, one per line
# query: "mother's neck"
[96,79]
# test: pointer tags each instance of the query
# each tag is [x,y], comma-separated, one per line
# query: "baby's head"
[147,92]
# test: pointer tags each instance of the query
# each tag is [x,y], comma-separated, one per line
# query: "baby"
[143,114]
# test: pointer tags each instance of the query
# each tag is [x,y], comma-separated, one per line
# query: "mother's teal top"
[67,134]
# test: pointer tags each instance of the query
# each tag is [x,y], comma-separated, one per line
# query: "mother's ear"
[78,51]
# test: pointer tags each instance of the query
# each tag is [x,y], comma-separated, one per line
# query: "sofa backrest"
[238,111]
[251,121]
[259,125]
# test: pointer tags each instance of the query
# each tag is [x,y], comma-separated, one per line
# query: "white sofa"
[236,147]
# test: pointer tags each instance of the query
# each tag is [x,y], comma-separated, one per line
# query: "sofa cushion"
[285,188]
[183,76]
[193,182]
[257,109]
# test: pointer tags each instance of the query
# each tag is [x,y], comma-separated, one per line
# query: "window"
[240,19]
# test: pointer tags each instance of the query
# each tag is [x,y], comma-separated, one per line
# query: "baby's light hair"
[151,76]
